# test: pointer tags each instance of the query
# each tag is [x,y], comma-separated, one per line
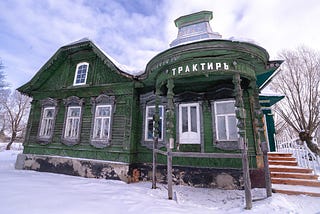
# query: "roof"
[61,54]
[268,97]
[194,27]
[272,69]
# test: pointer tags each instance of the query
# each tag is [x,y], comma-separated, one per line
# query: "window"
[149,123]
[226,122]
[47,122]
[49,109]
[189,123]
[73,122]
[102,122]
[81,74]
[102,117]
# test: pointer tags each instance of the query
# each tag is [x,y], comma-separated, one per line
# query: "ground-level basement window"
[149,122]
[73,122]
[225,120]
[47,122]
[102,122]
[81,74]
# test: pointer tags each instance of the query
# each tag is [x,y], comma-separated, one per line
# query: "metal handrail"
[305,157]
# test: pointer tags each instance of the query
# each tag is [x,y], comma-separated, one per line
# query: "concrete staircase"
[288,178]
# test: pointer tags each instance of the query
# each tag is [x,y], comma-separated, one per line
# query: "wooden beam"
[154,165]
[264,148]
[206,155]
[160,151]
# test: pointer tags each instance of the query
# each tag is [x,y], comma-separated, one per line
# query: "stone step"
[296,169]
[296,190]
[293,181]
[279,158]
[284,163]
[294,175]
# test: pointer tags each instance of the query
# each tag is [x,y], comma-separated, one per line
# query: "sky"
[134,31]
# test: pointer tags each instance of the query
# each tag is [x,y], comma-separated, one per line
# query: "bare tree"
[16,107]
[3,83]
[299,81]
[3,94]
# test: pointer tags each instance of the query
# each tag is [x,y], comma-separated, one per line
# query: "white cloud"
[132,32]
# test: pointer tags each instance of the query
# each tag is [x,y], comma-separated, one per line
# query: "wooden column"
[264,147]
[241,116]
[170,131]
[155,139]
[262,140]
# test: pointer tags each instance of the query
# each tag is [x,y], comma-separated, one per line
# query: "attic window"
[81,74]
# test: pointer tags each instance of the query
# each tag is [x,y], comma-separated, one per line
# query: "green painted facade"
[201,72]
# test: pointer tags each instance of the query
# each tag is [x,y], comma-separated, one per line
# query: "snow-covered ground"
[24,192]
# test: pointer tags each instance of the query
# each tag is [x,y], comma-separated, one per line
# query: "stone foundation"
[74,166]
[190,176]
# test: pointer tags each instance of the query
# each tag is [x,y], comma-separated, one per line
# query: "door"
[189,123]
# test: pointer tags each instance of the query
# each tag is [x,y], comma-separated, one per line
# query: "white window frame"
[75,130]
[148,118]
[47,123]
[76,73]
[102,118]
[190,137]
[216,115]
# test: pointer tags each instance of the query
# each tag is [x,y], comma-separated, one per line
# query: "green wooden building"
[91,118]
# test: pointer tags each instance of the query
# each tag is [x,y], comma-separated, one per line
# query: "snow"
[269,92]
[24,191]
[243,39]
[124,68]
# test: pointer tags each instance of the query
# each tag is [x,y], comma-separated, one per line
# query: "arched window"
[81,74]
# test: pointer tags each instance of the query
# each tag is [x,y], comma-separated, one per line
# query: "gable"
[60,70]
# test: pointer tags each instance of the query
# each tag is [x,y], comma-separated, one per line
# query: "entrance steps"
[288,178]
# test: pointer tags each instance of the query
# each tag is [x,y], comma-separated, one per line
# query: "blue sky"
[133,31]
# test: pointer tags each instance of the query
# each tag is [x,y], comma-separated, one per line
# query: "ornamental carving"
[73,101]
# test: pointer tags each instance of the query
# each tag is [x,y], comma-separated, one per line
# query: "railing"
[305,157]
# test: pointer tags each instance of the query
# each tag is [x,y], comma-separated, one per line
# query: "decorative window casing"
[80,77]
[102,110]
[101,128]
[72,130]
[47,121]
[46,127]
[73,120]
[225,120]
[149,123]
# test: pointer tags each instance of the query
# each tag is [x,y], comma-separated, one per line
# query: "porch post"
[170,141]
[241,116]
[155,139]
[262,140]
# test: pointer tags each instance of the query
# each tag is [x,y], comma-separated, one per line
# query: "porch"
[294,169]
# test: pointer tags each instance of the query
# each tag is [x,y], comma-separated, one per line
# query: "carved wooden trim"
[72,101]
[48,102]
[100,100]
